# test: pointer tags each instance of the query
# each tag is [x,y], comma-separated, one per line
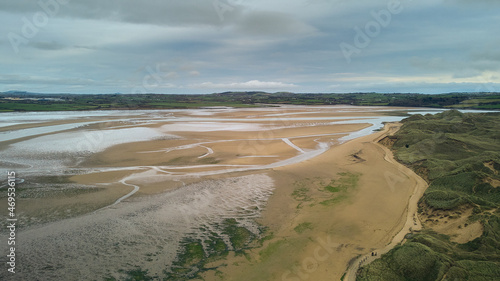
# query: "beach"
[371,216]
[310,187]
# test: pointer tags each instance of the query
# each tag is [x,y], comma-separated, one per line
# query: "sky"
[207,46]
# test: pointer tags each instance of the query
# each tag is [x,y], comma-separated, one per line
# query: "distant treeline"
[22,101]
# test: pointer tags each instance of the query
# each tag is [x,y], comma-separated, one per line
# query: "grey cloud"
[492,55]
[466,73]
[292,41]
[86,47]
[272,23]
[28,79]
[46,45]
[20,6]
[436,63]
[472,2]
[169,12]
[175,13]
[459,68]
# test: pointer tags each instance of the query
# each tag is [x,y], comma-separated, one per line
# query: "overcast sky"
[206,46]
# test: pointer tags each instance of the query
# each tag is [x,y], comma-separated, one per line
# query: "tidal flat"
[212,193]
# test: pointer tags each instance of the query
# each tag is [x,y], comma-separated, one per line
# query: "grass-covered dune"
[459,155]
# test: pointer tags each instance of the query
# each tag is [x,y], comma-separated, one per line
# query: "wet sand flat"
[364,218]
[286,169]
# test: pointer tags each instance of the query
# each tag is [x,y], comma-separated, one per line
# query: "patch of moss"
[240,237]
[332,189]
[301,194]
[136,275]
[208,160]
[196,254]
[339,188]
[271,249]
[333,201]
[303,227]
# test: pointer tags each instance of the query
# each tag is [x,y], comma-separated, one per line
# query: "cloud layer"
[202,46]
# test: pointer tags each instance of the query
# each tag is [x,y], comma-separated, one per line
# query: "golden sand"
[317,230]
[366,218]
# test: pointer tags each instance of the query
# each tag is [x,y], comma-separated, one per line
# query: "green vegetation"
[272,248]
[333,201]
[459,155]
[339,188]
[22,101]
[301,194]
[239,236]
[195,254]
[452,151]
[431,256]
[208,160]
[136,274]
[346,181]
[303,227]
[316,191]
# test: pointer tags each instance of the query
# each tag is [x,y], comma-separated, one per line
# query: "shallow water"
[42,146]
[136,229]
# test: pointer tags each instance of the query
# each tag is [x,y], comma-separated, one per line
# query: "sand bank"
[316,241]
[344,198]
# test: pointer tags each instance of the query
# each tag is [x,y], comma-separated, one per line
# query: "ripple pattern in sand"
[146,232]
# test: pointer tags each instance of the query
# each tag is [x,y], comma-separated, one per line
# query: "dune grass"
[456,153]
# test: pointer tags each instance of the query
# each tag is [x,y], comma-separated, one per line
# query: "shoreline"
[412,222]
[371,215]
[334,193]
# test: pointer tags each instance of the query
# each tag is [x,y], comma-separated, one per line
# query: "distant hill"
[34,101]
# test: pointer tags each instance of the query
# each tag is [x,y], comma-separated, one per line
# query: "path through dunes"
[410,218]
[328,211]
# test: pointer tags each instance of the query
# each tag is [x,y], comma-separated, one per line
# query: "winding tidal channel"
[106,192]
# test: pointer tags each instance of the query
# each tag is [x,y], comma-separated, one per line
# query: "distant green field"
[459,154]
[54,102]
